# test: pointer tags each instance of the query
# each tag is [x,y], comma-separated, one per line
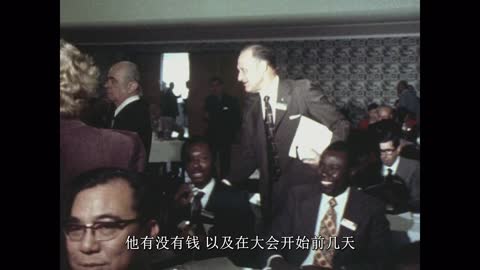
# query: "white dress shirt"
[322,210]
[394,167]
[207,191]
[272,91]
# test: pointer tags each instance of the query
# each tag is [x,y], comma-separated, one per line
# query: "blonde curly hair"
[78,80]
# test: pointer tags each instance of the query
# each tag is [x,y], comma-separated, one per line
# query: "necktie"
[197,205]
[389,176]
[196,210]
[274,164]
[328,228]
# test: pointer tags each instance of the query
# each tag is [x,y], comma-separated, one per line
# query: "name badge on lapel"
[349,224]
[225,108]
[295,116]
[281,106]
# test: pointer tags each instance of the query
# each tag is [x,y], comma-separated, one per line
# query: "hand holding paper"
[310,140]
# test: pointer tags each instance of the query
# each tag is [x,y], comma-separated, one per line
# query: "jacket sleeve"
[245,162]
[138,160]
[378,254]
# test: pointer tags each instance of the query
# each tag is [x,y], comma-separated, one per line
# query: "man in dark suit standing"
[207,207]
[270,118]
[131,113]
[351,228]
[223,116]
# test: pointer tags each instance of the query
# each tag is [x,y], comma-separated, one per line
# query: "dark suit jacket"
[408,171]
[231,208]
[83,148]
[233,217]
[300,99]
[372,237]
[136,117]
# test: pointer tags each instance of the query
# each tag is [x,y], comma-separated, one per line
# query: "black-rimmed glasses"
[102,230]
[387,151]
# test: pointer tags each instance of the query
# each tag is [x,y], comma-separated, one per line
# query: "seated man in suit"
[107,210]
[208,208]
[393,174]
[351,229]
[407,170]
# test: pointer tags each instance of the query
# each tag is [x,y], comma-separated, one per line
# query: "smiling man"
[208,207]
[107,206]
[334,212]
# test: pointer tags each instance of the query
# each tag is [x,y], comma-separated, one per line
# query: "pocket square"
[295,116]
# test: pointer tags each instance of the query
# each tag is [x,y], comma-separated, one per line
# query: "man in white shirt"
[132,112]
[352,227]
[209,208]
[408,170]
[271,114]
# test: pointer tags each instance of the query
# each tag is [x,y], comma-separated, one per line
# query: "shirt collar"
[271,90]
[207,189]
[125,103]
[393,167]
[339,198]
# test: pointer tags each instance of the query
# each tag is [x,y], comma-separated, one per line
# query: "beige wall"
[170,12]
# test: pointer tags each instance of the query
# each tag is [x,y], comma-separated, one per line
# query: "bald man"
[131,113]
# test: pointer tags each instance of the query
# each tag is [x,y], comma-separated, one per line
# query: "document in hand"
[310,140]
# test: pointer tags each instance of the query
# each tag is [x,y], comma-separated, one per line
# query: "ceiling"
[150,21]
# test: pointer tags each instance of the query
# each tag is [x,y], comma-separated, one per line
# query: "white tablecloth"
[406,222]
[165,151]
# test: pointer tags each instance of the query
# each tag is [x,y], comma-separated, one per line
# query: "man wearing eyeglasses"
[106,208]
[406,170]
[393,178]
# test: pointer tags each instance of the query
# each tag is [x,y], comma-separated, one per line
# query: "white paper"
[310,140]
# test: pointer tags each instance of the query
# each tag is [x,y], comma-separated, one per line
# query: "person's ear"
[262,65]
[154,228]
[132,86]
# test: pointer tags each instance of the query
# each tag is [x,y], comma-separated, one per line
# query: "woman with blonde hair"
[83,147]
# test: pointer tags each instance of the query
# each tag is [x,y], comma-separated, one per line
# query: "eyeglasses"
[102,231]
[387,151]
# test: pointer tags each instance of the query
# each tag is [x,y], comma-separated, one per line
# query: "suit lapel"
[401,170]
[283,97]
[353,212]
[309,217]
